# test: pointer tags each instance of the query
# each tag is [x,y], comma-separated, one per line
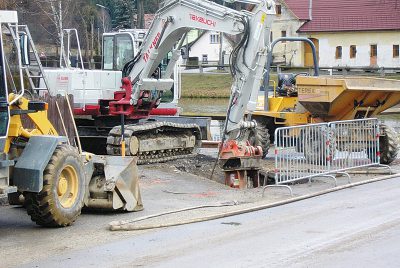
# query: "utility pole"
[92,41]
[221,54]
[98,42]
[140,14]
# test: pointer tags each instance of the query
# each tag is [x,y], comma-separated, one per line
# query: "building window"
[204,58]
[338,54]
[353,52]
[396,51]
[278,10]
[214,39]
[283,34]
[374,50]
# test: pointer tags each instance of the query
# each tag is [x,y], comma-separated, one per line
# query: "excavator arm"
[171,24]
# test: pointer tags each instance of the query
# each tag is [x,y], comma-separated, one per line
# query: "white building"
[355,33]
[286,24]
[207,47]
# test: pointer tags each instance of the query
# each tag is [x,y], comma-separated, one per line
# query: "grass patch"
[206,85]
[393,76]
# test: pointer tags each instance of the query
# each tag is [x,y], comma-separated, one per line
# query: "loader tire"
[61,200]
[388,144]
[260,137]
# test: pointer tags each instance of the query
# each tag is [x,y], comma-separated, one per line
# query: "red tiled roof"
[299,8]
[347,15]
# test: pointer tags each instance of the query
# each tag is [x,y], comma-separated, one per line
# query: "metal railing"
[325,150]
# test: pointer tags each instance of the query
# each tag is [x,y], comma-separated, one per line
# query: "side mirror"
[25,49]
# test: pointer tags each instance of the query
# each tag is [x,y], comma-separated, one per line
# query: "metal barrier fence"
[326,149]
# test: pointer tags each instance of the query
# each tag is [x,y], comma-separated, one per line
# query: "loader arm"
[42,125]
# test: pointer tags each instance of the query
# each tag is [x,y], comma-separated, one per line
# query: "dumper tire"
[312,148]
[260,137]
[388,144]
[60,201]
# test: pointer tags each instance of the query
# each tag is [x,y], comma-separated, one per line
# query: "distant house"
[289,18]
[207,47]
[355,33]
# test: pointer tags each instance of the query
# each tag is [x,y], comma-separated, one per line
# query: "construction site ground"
[165,187]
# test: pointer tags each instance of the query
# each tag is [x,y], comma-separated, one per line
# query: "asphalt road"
[357,227]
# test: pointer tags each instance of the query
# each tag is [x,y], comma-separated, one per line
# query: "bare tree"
[58,13]
[88,15]
[8,4]
[12,5]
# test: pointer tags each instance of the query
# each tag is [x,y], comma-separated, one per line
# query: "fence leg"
[276,186]
[385,166]
[345,174]
[325,176]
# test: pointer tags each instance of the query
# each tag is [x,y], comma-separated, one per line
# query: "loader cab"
[121,47]
[4,110]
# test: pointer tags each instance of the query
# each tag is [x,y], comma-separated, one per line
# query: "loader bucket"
[113,184]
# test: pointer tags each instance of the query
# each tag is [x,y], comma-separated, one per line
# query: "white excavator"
[128,111]
[142,92]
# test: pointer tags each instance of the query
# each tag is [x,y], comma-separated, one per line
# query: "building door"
[308,56]
[373,60]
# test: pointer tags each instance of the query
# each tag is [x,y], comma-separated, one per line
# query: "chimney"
[310,10]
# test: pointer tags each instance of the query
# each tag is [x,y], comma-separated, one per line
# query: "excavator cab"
[121,47]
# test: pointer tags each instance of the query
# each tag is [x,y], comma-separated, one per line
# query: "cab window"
[4,117]
[124,51]
[108,50]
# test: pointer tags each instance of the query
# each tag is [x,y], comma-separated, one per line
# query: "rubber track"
[151,130]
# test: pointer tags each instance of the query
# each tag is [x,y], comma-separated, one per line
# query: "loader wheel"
[260,137]
[388,144]
[60,202]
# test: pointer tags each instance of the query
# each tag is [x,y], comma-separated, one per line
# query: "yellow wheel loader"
[55,179]
[299,99]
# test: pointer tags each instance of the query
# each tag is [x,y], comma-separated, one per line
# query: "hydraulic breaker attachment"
[113,184]
[241,163]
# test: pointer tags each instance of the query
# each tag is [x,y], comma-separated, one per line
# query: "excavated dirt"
[202,165]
